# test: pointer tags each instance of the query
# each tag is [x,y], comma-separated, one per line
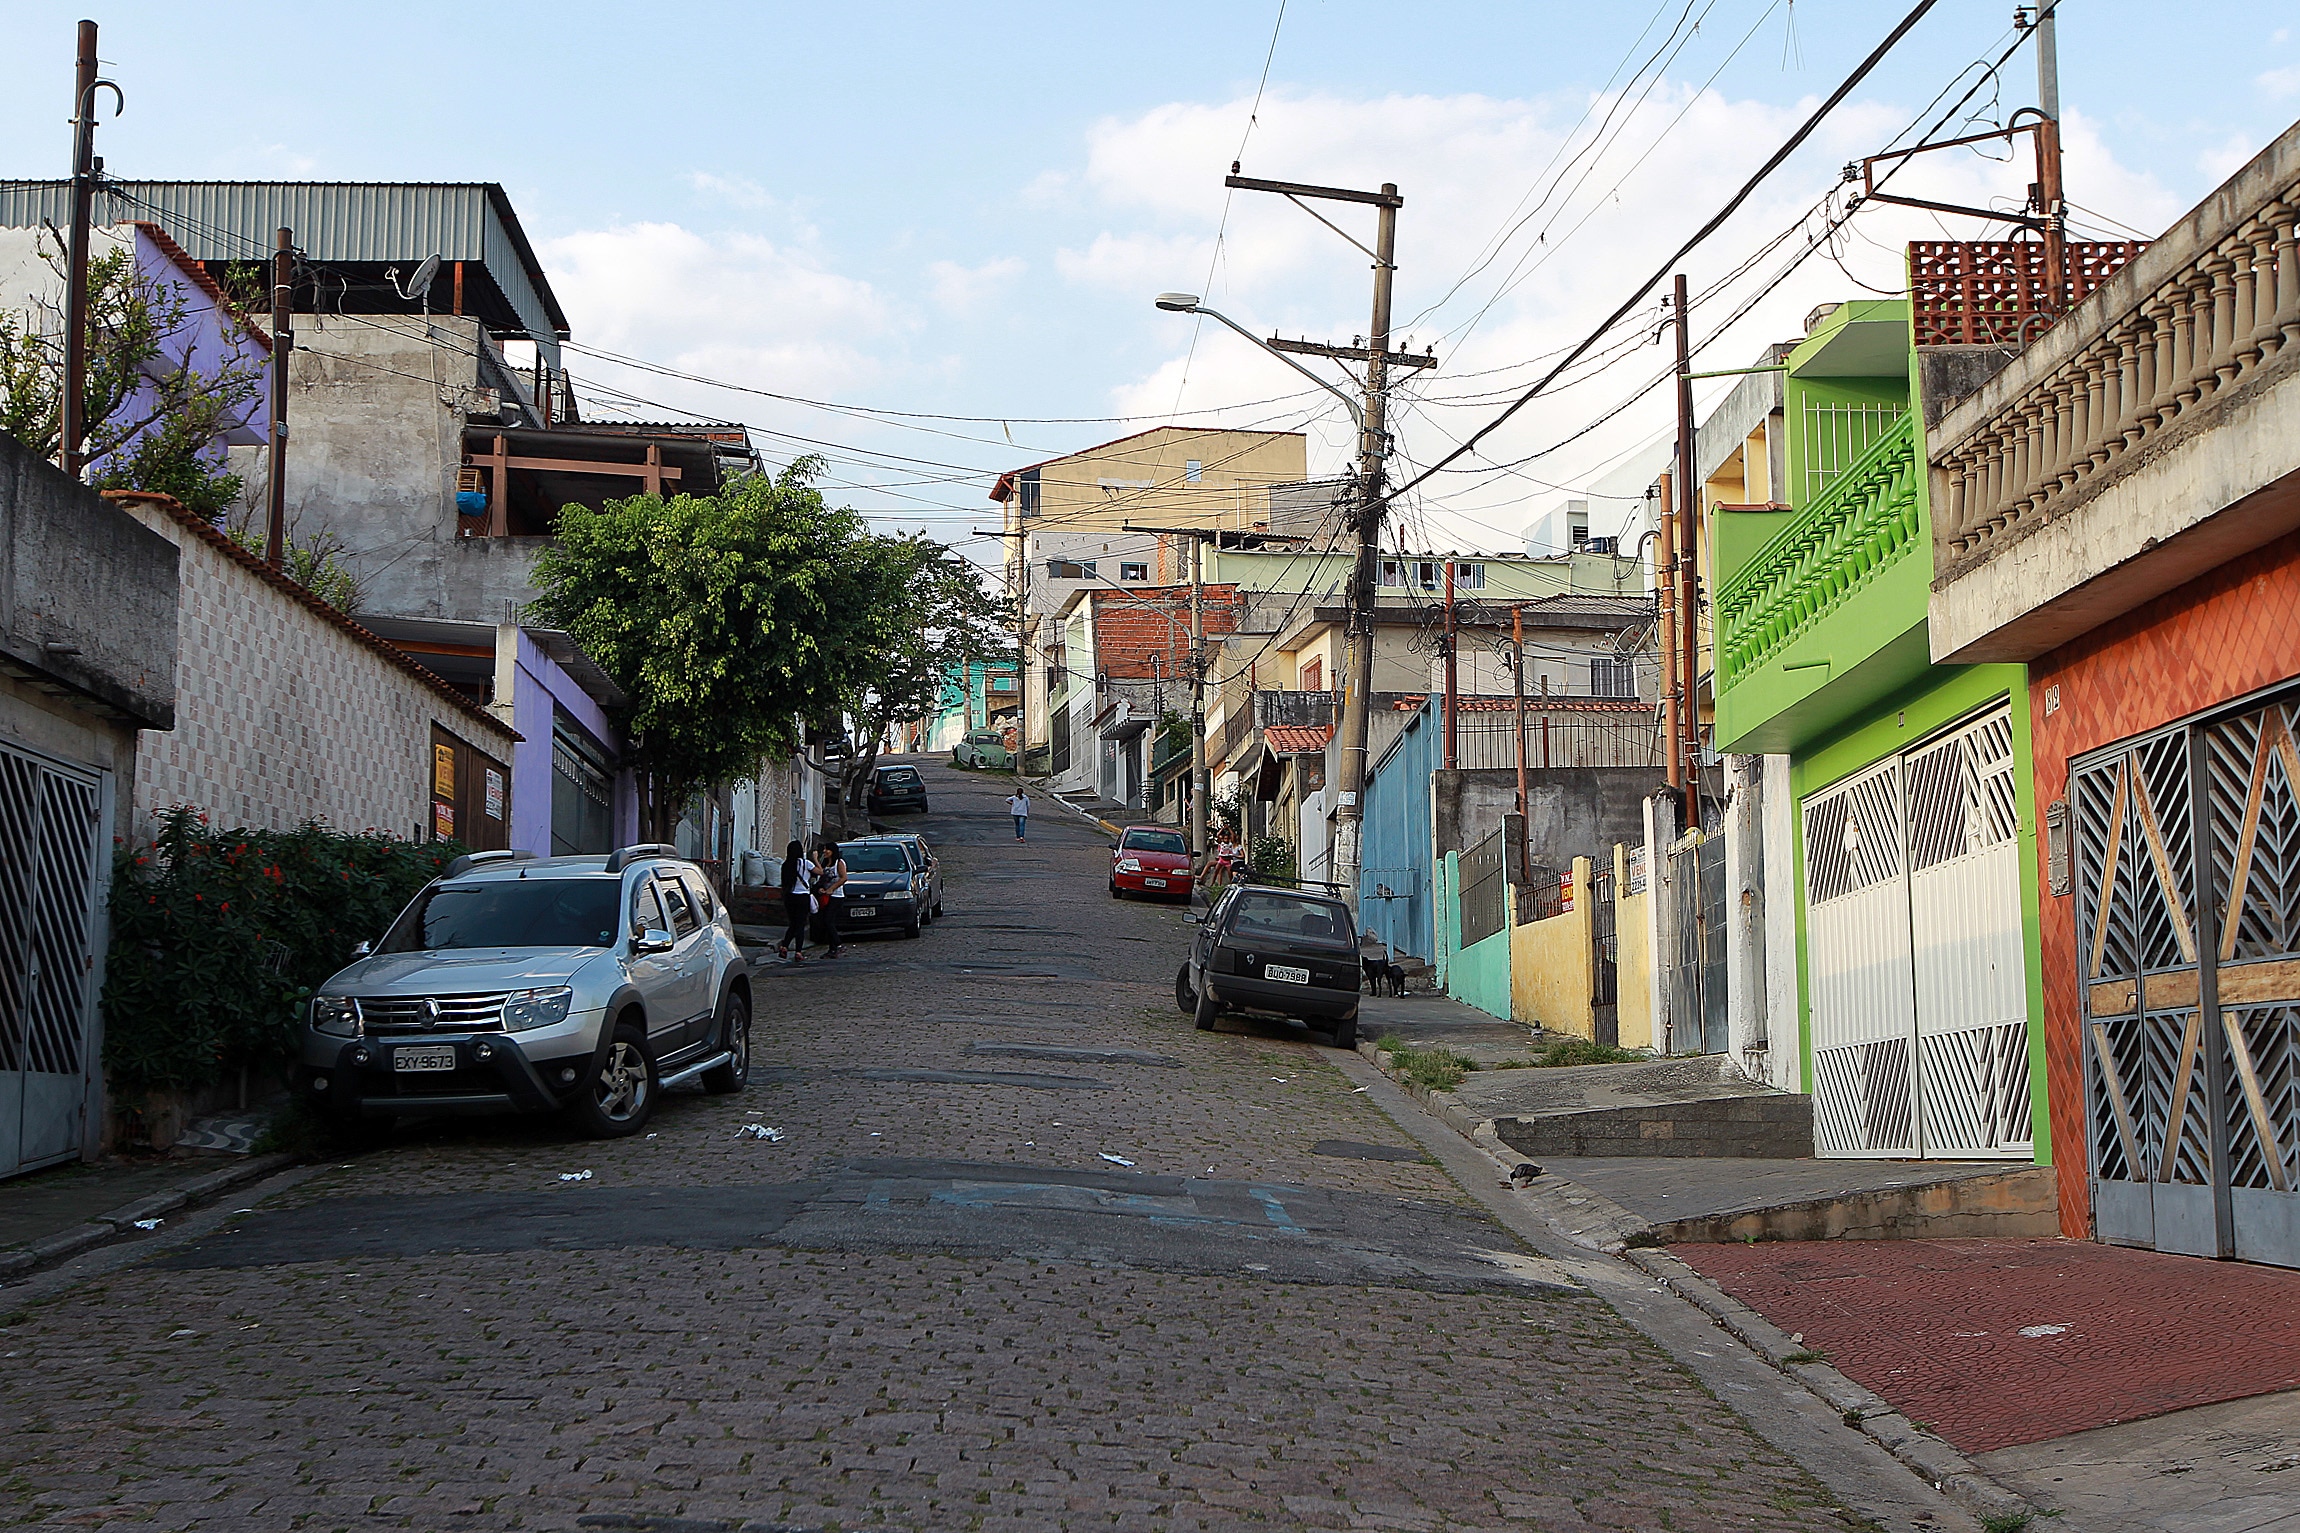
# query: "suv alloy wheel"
[620,1096]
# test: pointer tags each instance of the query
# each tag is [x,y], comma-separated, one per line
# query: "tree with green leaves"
[943,618]
[153,417]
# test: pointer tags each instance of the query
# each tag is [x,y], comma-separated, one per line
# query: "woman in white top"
[1019,807]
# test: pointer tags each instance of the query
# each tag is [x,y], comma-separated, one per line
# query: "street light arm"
[1357,412]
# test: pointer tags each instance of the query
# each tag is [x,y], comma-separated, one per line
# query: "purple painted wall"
[212,336]
[538,682]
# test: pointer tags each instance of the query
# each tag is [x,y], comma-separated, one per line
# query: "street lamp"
[1187,303]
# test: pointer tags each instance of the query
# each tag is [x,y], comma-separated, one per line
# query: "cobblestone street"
[1029,1253]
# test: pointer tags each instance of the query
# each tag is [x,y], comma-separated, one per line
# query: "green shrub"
[219,936]
[1272,858]
[1439,1069]
[1580,1051]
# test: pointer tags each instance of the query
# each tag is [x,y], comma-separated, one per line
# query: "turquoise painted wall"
[1477,975]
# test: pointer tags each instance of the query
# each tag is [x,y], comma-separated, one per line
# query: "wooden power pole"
[1453,680]
[1688,506]
[71,407]
[283,342]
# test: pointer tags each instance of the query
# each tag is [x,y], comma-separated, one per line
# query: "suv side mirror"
[652,940]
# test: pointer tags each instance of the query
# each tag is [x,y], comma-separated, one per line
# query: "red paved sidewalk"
[1996,1342]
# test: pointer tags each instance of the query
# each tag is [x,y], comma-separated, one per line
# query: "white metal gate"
[52,839]
[1915,957]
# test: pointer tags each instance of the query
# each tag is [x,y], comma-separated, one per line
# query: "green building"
[1913,824]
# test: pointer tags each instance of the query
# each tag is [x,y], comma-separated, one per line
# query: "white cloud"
[734,191]
[1463,163]
[965,290]
[2276,84]
[733,306]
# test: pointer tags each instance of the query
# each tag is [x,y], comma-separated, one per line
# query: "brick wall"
[285,709]
[1132,625]
[2219,637]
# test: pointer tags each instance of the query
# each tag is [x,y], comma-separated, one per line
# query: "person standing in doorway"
[1019,807]
[830,882]
[798,903]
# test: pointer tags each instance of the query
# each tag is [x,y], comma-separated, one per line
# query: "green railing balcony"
[1866,521]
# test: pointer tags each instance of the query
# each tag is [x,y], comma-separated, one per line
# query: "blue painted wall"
[1394,851]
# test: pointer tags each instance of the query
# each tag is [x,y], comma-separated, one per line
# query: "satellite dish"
[418,285]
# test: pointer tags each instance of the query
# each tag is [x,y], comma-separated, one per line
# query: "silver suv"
[515,983]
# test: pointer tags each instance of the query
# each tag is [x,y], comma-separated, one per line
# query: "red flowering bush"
[219,936]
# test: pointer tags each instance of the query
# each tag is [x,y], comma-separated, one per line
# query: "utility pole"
[1517,668]
[71,422]
[1199,787]
[1373,451]
[1688,560]
[1021,643]
[283,342]
[2051,206]
[1452,680]
[1665,605]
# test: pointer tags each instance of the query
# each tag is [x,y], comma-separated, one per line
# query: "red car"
[1150,859]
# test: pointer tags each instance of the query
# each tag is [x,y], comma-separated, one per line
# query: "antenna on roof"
[419,284]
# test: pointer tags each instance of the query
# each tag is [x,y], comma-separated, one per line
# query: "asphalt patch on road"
[978,1019]
[1105,1217]
[981,1078]
[1350,1149]
[1076,1055]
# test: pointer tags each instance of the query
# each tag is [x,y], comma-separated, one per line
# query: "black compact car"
[926,870]
[885,891]
[1274,952]
[896,787]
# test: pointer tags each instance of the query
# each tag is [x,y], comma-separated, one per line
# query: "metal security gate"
[1604,958]
[2191,984]
[52,836]
[1915,959]
[1694,972]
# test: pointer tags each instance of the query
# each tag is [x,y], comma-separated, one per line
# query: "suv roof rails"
[470,860]
[619,860]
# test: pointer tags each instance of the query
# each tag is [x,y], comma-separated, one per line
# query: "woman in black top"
[830,884]
[798,903]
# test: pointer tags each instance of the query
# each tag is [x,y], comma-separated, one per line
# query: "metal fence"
[1605,956]
[1541,896]
[1483,882]
[1613,737]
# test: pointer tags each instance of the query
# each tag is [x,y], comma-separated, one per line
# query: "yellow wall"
[1633,959]
[1143,479]
[1551,968]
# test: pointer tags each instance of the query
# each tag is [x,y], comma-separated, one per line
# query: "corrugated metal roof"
[340,221]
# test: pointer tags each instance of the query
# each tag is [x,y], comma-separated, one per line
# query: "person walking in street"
[830,881]
[798,903]
[1019,807]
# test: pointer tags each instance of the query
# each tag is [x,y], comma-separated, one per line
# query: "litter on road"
[575,1176]
[148,1224]
[760,1131]
[1116,1160]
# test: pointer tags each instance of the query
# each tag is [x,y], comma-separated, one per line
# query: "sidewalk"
[47,1216]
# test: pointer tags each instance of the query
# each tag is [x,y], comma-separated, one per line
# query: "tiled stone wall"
[286,712]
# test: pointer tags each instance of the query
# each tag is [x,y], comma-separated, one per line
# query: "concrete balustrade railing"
[2185,324]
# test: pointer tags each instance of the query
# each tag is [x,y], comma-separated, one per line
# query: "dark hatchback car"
[896,787]
[1274,952]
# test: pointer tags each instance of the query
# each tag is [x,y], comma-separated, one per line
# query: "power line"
[1733,205]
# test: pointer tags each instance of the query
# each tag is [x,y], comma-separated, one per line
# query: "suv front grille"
[410,1013]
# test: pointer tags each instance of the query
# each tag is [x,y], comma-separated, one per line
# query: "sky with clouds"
[963,211]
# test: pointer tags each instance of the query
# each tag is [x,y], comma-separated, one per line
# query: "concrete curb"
[106,1227]
[1947,1470]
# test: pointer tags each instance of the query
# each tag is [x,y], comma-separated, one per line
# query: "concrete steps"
[1694,1106]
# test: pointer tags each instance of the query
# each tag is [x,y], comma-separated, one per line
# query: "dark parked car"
[896,787]
[1275,952]
[926,869]
[885,891]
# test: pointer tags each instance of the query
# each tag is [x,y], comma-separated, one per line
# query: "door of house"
[1916,967]
[1604,958]
[2189,962]
[52,841]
